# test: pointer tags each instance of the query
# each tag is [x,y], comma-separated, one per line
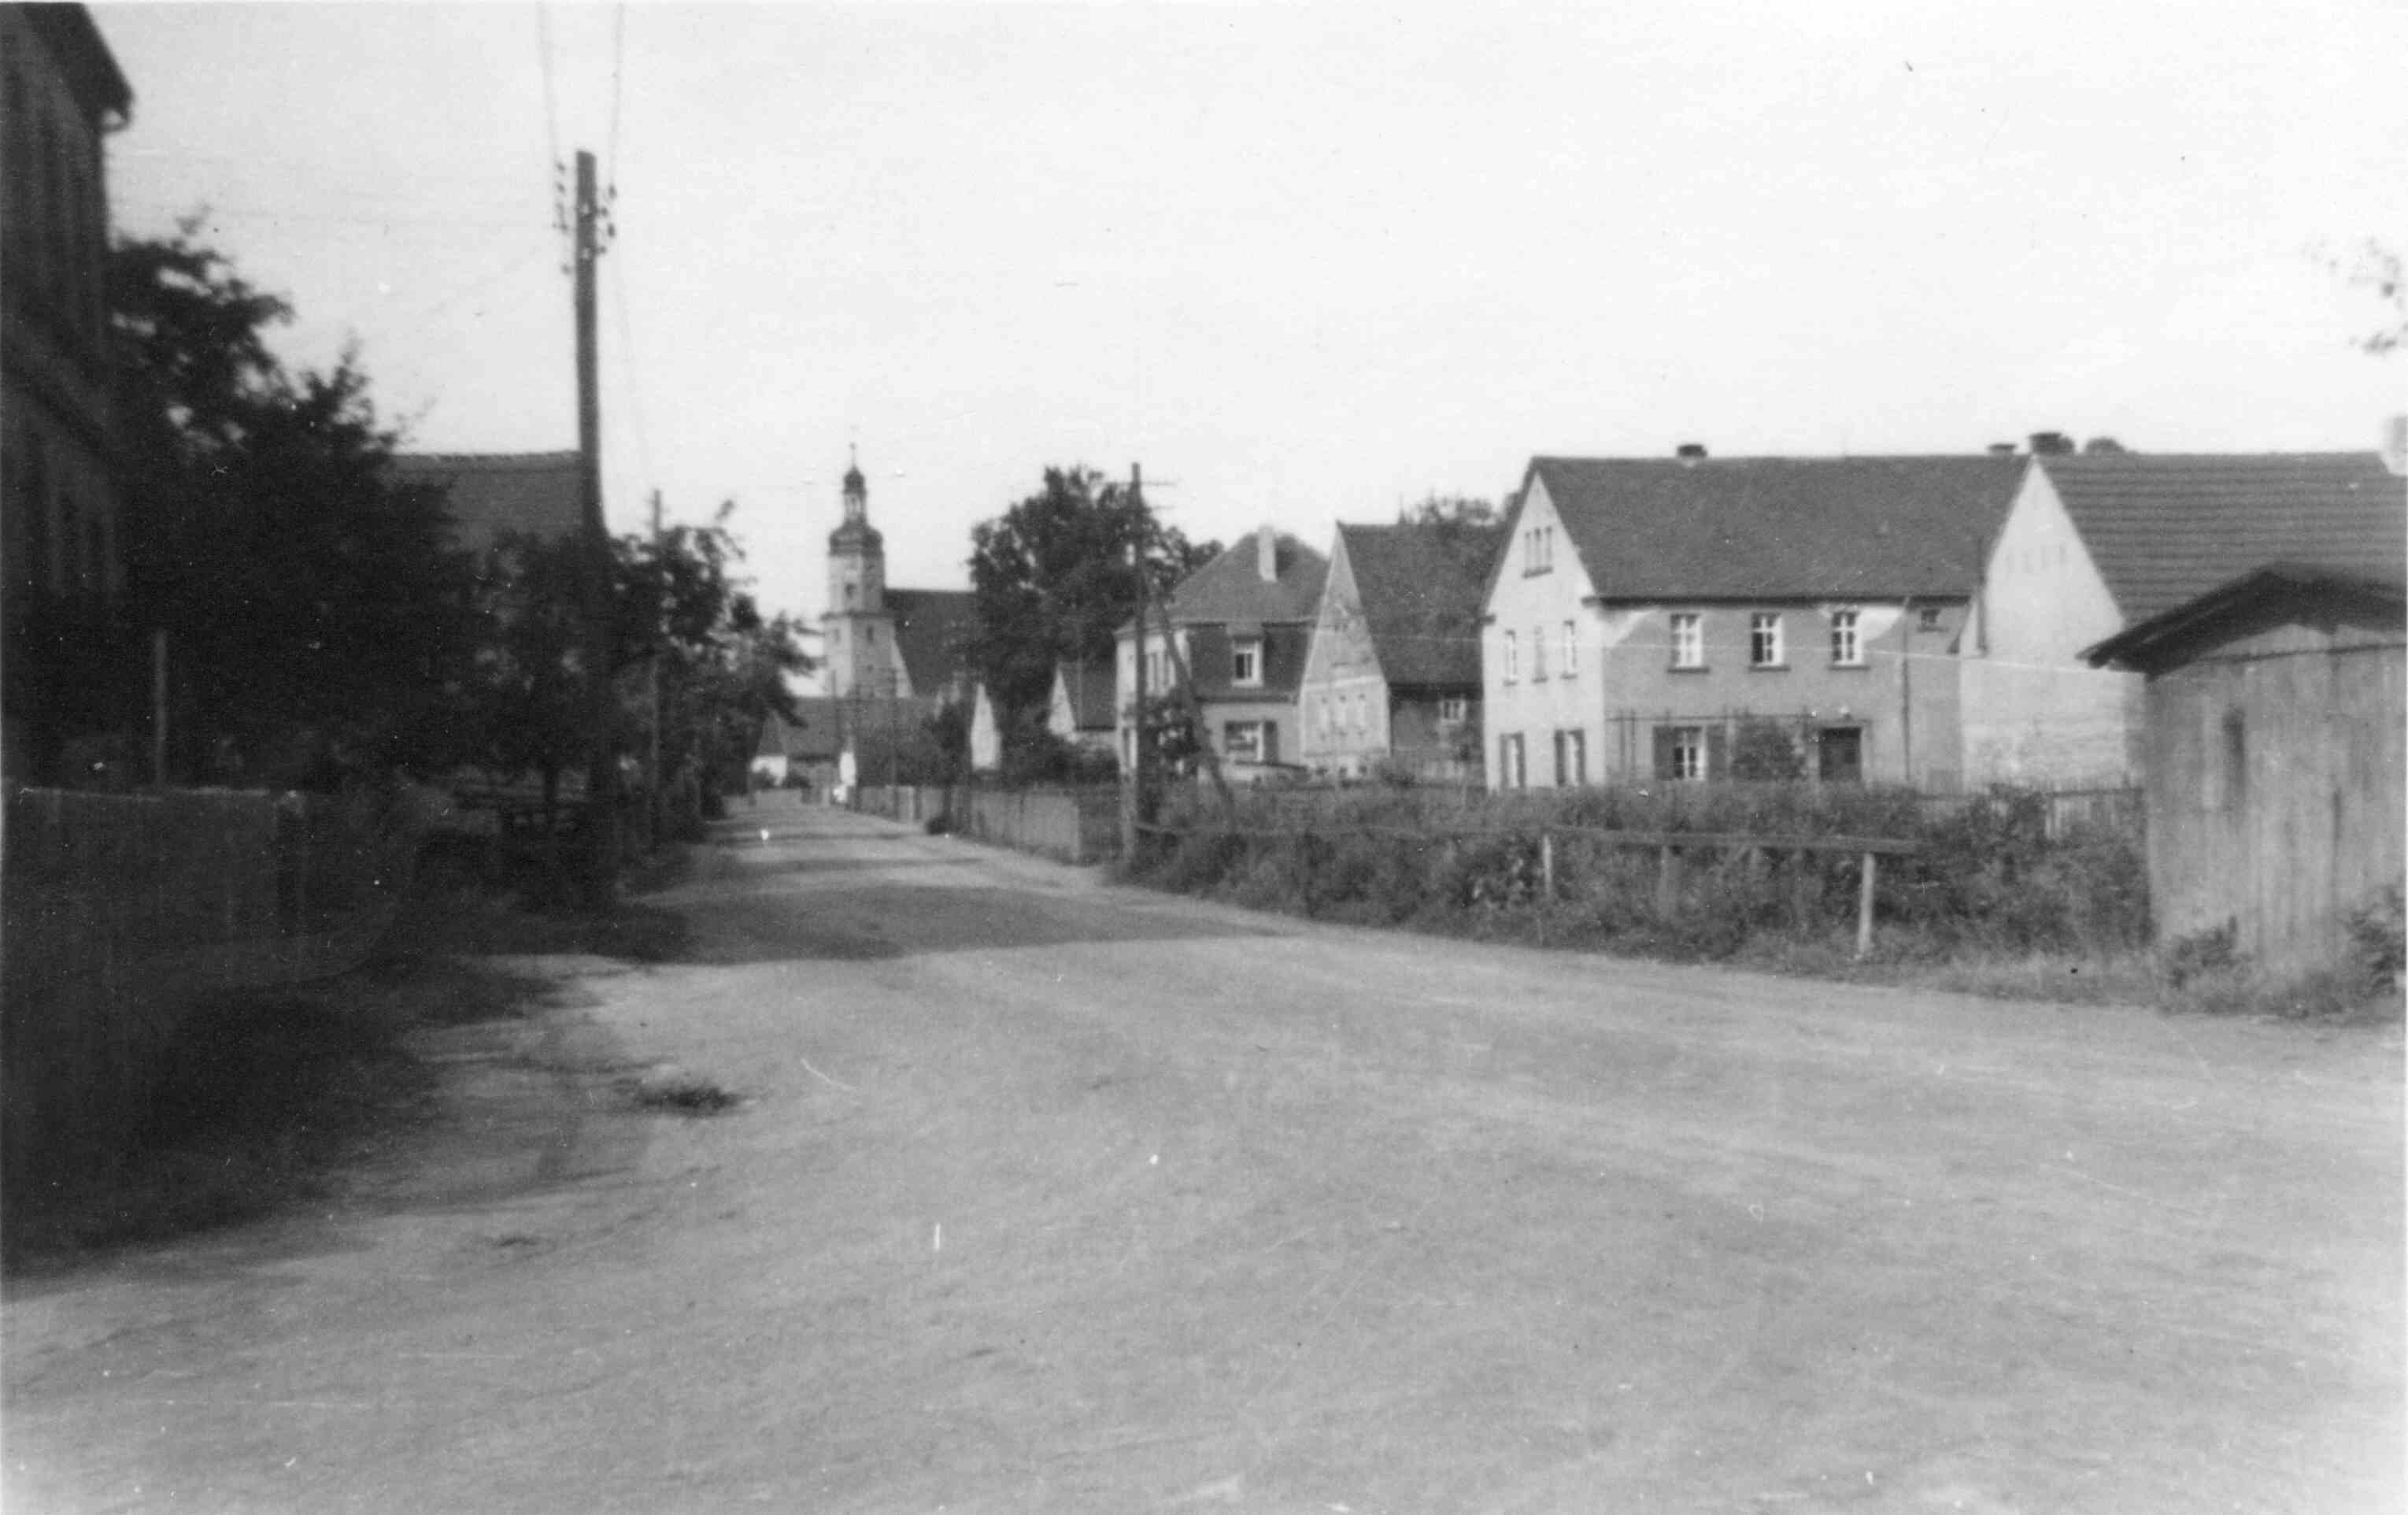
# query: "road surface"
[1047,1195]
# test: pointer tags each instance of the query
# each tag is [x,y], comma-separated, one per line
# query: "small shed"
[2272,757]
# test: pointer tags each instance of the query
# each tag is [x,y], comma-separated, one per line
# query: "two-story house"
[2098,542]
[1394,674]
[1243,626]
[1647,614]
[62,513]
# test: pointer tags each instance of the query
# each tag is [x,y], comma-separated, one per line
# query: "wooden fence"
[120,912]
[1668,848]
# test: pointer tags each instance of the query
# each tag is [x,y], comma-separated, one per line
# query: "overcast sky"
[1304,264]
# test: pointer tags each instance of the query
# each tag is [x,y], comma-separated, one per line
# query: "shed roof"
[1421,588]
[2177,635]
[2166,528]
[488,494]
[1781,528]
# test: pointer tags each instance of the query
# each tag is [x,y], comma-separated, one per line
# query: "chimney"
[2051,444]
[2394,444]
[2002,449]
[1267,553]
[1691,453]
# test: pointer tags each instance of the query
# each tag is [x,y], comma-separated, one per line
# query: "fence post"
[1865,910]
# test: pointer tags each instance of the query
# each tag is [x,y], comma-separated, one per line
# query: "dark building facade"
[61,500]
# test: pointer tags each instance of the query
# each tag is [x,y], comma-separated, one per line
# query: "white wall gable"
[2043,596]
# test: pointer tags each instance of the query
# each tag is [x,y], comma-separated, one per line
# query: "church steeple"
[860,633]
[856,490]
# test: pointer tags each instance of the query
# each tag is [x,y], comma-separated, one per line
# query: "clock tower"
[860,640]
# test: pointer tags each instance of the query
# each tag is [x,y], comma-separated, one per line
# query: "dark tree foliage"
[1054,583]
[318,621]
[679,615]
[1470,530]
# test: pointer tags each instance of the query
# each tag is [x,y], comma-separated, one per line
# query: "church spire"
[857,488]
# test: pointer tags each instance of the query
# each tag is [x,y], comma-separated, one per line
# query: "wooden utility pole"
[602,758]
[1134,812]
[652,692]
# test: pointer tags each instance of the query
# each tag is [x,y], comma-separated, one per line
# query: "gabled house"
[2095,543]
[1243,624]
[1081,712]
[803,751]
[1393,671]
[2274,768]
[1693,618]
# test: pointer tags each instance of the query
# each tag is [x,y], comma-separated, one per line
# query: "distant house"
[1244,625]
[1081,711]
[2272,756]
[804,749]
[1647,618]
[493,495]
[2095,543]
[1393,673]
[986,734]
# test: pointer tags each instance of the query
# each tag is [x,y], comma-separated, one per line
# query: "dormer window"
[1246,661]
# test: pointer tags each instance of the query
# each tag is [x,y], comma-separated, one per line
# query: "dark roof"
[1780,527]
[1231,589]
[84,56]
[811,736]
[538,493]
[857,536]
[2306,590]
[1421,594]
[2165,528]
[933,629]
[1091,692]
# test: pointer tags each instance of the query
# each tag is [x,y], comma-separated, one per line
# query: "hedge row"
[1991,873]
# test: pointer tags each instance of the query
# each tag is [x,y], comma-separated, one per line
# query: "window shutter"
[1718,751]
[1664,754]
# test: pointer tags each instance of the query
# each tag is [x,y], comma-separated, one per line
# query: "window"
[1846,650]
[1538,549]
[1572,758]
[1455,710]
[1764,639]
[1513,658]
[1243,741]
[1681,753]
[1511,773]
[1538,653]
[1571,649]
[1927,619]
[1246,661]
[1688,640]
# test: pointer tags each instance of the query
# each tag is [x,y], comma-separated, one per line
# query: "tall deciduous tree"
[318,619]
[1054,583]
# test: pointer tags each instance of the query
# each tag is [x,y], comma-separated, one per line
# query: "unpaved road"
[1050,1196]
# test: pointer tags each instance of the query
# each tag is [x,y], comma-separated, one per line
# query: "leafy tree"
[1468,529]
[318,621]
[1052,581]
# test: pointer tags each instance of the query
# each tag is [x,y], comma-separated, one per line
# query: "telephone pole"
[602,758]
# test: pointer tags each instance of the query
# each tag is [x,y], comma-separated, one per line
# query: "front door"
[1840,754]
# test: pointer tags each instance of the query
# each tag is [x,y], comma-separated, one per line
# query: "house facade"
[1392,676]
[1242,625]
[62,502]
[1080,710]
[2097,542]
[2274,767]
[1690,618]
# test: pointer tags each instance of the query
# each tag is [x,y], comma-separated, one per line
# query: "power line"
[635,386]
[618,58]
[551,101]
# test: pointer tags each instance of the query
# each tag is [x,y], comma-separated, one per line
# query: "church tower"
[860,630]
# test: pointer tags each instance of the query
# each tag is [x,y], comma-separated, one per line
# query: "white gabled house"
[1691,618]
